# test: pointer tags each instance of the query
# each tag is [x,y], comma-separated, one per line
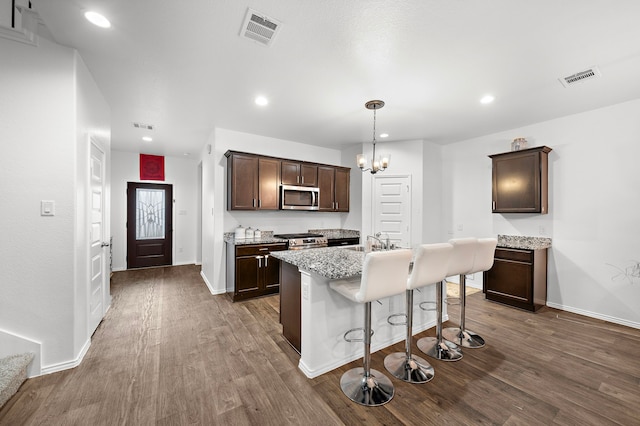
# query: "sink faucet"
[384,245]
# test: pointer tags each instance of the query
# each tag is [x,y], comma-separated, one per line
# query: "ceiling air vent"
[143,126]
[260,28]
[578,77]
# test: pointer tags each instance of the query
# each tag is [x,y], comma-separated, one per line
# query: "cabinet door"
[309,174]
[326,183]
[290,173]
[510,279]
[268,184]
[342,189]
[248,274]
[520,181]
[243,182]
[271,271]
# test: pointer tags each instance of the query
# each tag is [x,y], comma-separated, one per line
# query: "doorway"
[392,208]
[149,225]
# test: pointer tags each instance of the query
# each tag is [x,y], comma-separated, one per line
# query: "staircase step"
[13,372]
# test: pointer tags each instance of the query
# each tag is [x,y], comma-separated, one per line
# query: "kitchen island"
[316,330]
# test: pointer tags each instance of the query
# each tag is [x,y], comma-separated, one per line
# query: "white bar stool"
[430,266]
[482,260]
[384,274]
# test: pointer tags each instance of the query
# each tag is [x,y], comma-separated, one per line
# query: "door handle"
[105,245]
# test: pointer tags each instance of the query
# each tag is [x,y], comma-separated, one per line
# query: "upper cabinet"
[253,182]
[519,181]
[298,173]
[334,188]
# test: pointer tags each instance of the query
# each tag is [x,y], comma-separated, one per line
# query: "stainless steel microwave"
[299,197]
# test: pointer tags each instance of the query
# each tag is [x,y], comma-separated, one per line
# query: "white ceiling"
[182,66]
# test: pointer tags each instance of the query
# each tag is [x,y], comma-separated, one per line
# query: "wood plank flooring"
[170,353]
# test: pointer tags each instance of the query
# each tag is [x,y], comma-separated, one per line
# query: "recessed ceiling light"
[186,154]
[384,135]
[97,19]
[262,101]
[487,99]
[147,138]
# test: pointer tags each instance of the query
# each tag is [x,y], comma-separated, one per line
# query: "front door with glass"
[149,224]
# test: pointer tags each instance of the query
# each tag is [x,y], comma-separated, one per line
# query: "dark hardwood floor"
[170,353]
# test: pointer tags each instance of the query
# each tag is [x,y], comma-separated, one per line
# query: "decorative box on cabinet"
[520,182]
[334,188]
[518,278]
[251,271]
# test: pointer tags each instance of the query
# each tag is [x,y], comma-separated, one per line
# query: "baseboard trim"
[210,287]
[595,315]
[54,368]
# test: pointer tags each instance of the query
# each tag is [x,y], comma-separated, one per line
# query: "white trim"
[54,368]
[210,287]
[595,315]
[23,36]
[13,343]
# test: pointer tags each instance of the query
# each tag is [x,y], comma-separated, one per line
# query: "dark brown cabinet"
[519,181]
[334,188]
[297,173]
[518,278]
[253,182]
[252,271]
[290,304]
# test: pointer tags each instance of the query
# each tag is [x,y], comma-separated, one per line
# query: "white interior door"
[99,241]
[392,208]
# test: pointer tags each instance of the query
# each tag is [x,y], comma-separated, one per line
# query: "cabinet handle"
[297,179]
[302,180]
[337,205]
[266,261]
[263,249]
[494,205]
[254,202]
[259,203]
[259,261]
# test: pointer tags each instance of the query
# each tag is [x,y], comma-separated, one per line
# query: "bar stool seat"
[482,260]
[384,274]
[430,266]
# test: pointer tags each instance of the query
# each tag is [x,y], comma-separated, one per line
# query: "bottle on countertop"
[249,234]
[240,233]
[257,234]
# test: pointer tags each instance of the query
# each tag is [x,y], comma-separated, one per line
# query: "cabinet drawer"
[514,254]
[250,250]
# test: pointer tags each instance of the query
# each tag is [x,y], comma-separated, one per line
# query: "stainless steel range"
[304,240]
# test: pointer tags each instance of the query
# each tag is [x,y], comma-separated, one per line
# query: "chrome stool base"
[371,391]
[443,351]
[409,369]
[464,338]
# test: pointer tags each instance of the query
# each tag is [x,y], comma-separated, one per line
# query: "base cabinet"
[252,272]
[518,278]
[290,301]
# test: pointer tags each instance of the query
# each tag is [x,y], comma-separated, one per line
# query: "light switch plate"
[47,208]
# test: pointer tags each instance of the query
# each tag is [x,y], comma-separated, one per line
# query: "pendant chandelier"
[378,163]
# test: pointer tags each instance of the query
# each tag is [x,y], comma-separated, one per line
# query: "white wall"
[42,287]
[182,173]
[217,220]
[593,205]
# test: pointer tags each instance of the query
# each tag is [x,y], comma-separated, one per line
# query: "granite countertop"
[523,242]
[266,238]
[333,234]
[330,262]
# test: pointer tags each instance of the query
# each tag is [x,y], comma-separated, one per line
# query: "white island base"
[326,316]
